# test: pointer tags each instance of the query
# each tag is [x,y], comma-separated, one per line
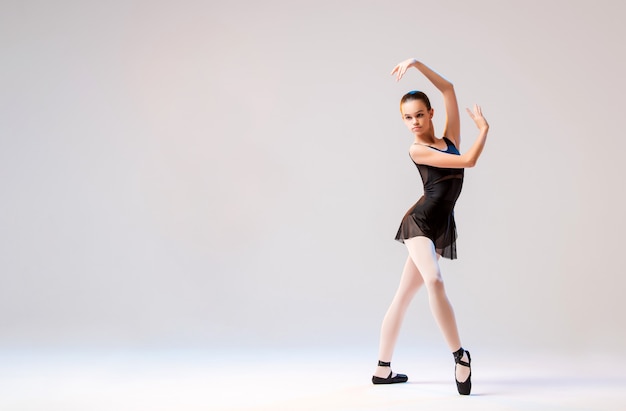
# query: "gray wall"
[202,173]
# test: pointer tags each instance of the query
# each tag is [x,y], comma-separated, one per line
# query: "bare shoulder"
[418,151]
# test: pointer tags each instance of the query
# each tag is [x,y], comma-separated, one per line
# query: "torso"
[433,214]
[442,183]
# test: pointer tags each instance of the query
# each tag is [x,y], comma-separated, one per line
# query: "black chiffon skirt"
[432,219]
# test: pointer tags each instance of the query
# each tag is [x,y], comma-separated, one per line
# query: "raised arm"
[428,156]
[452,129]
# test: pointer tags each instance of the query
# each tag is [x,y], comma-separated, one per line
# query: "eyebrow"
[417,112]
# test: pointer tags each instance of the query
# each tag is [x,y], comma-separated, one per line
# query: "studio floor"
[298,379]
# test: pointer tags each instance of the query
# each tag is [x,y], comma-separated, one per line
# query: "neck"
[427,138]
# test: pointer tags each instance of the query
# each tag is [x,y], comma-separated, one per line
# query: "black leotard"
[433,214]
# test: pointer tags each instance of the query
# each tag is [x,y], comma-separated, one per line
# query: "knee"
[434,283]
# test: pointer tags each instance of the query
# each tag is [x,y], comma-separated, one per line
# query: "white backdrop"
[199,173]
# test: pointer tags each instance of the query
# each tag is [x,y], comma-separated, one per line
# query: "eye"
[420,115]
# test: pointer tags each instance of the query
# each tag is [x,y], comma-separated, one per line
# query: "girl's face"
[416,116]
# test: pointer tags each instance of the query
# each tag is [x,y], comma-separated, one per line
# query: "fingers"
[477,116]
[401,73]
[478,111]
[399,70]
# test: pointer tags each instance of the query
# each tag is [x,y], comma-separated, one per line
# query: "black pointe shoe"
[389,380]
[464,387]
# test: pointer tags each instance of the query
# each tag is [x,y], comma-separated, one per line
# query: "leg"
[410,283]
[422,252]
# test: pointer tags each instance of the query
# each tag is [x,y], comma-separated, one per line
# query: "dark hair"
[415,95]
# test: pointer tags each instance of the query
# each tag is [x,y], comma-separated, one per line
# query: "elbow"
[469,161]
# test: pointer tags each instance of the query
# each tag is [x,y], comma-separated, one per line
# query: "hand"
[401,68]
[477,116]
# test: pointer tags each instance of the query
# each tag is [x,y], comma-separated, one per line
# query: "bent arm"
[431,157]
[452,129]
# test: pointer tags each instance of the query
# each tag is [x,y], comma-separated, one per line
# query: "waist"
[447,202]
[445,192]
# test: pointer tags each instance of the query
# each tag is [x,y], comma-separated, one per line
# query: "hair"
[415,95]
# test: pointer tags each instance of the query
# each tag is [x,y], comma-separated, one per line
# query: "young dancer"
[428,229]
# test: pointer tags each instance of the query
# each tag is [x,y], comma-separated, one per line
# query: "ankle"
[458,354]
[383,369]
[384,375]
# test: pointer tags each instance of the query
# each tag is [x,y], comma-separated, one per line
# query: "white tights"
[421,268]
